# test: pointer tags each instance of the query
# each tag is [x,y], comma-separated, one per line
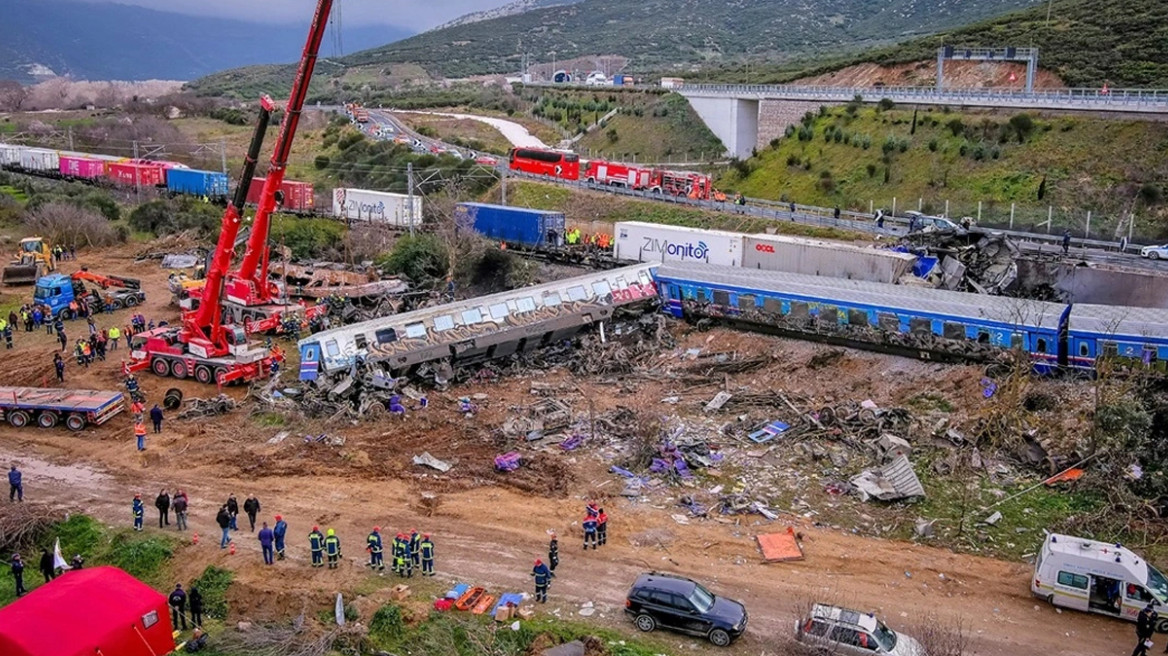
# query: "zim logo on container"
[765,248]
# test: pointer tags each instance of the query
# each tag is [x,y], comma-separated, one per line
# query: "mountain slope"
[509,9]
[121,42]
[664,33]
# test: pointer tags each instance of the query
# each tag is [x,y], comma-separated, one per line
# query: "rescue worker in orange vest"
[604,241]
[140,433]
[719,195]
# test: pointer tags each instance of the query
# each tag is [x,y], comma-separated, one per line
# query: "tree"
[12,95]
[71,225]
[1022,125]
[913,129]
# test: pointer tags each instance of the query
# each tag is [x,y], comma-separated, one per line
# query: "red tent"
[101,611]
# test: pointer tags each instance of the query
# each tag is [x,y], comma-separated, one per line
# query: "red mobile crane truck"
[204,346]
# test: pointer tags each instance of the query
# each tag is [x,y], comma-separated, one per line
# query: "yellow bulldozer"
[33,260]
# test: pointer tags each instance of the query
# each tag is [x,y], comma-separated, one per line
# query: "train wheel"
[75,422]
[18,418]
[160,367]
[178,369]
[203,374]
[47,419]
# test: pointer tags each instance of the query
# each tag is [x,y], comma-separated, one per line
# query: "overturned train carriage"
[929,324]
[481,328]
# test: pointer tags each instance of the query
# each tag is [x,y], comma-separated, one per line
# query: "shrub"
[889,145]
[885,104]
[1151,194]
[321,162]
[793,160]
[871,170]
[349,140]
[213,584]
[790,131]
[839,136]
[933,145]
[71,225]
[963,148]
[419,258]
[867,143]
[956,127]
[1023,126]
[427,131]
[143,558]
[307,237]
[164,217]
[806,134]
[386,626]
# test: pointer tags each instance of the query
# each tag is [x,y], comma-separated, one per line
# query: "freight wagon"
[298,196]
[376,207]
[10,156]
[40,160]
[73,167]
[132,174]
[821,258]
[20,406]
[193,182]
[652,242]
[515,226]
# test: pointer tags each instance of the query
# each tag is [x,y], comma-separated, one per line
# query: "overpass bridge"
[731,111]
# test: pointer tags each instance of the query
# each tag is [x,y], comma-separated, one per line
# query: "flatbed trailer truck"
[20,406]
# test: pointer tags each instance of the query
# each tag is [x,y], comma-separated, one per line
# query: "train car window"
[953,330]
[415,330]
[1083,350]
[551,299]
[444,322]
[745,302]
[800,310]
[386,336]
[645,279]
[526,304]
[829,314]
[1040,345]
[499,311]
[471,317]
[920,325]
[983,337]
[1017,340]
[857,317]
[601,288]
[772,306]
[1110,349]
[577,293]
[888,321]
[621,283]
[721,298]
[330,347]
[360,341]
[1149,354]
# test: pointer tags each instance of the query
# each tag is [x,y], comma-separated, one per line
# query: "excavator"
[32,261]
[205,345]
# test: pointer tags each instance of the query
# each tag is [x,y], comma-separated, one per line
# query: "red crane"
[203,346]
[249,286]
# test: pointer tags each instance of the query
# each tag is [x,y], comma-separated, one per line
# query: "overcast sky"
[414,14]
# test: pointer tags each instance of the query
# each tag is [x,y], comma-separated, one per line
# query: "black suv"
[682,605]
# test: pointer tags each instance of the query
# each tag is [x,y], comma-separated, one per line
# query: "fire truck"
[675,183]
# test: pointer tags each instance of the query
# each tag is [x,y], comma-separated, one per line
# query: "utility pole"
[70,137]
[410,195]
[137,176]
[223,153]
[503,189]
[1049,6]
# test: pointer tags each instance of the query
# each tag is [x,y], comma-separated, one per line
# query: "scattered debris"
[508,462]
[924,528]
[896,480]
[993,519]
[427,460]
[718,401]
[780,547]
[211,407]
[279,437]
[768,432]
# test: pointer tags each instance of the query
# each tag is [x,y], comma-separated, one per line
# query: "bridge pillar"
[733,120]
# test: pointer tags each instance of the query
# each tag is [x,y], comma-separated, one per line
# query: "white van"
[1098,577]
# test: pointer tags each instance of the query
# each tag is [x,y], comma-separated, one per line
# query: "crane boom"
[205,321]
[253,270]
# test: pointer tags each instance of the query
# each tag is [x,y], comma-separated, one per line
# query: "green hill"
[859,158]
[1086,42]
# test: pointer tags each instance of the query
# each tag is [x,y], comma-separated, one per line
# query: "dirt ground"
[958,74]
[489,527]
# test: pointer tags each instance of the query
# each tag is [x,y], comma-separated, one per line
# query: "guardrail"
[1150,99]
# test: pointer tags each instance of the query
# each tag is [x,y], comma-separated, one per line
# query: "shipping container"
[81,168]
[672,82]
[10,156]
[40,160]
[298,196]
[376,207]
[652,242]
[194,182]
[821,258]
[130,174]
[514,225]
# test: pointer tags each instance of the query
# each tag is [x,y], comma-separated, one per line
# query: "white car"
[838,630]
[1155,252]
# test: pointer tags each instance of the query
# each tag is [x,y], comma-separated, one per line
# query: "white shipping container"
[652,242]
[39,159]
[823,258]
[10,155]
[376,207]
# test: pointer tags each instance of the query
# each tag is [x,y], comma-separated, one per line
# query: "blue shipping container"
[197,183]
[513,225]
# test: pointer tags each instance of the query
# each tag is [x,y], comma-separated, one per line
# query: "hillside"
[1086,43]
[509,9]
[106,41]
[1108,167]
[670,33]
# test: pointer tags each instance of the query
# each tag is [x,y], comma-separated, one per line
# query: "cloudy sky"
[414,14]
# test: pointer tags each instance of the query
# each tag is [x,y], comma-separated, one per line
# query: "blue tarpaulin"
[924,266]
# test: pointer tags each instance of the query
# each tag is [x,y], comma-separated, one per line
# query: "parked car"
[927,223]
[679,604]
[1155,252]
[836,630]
